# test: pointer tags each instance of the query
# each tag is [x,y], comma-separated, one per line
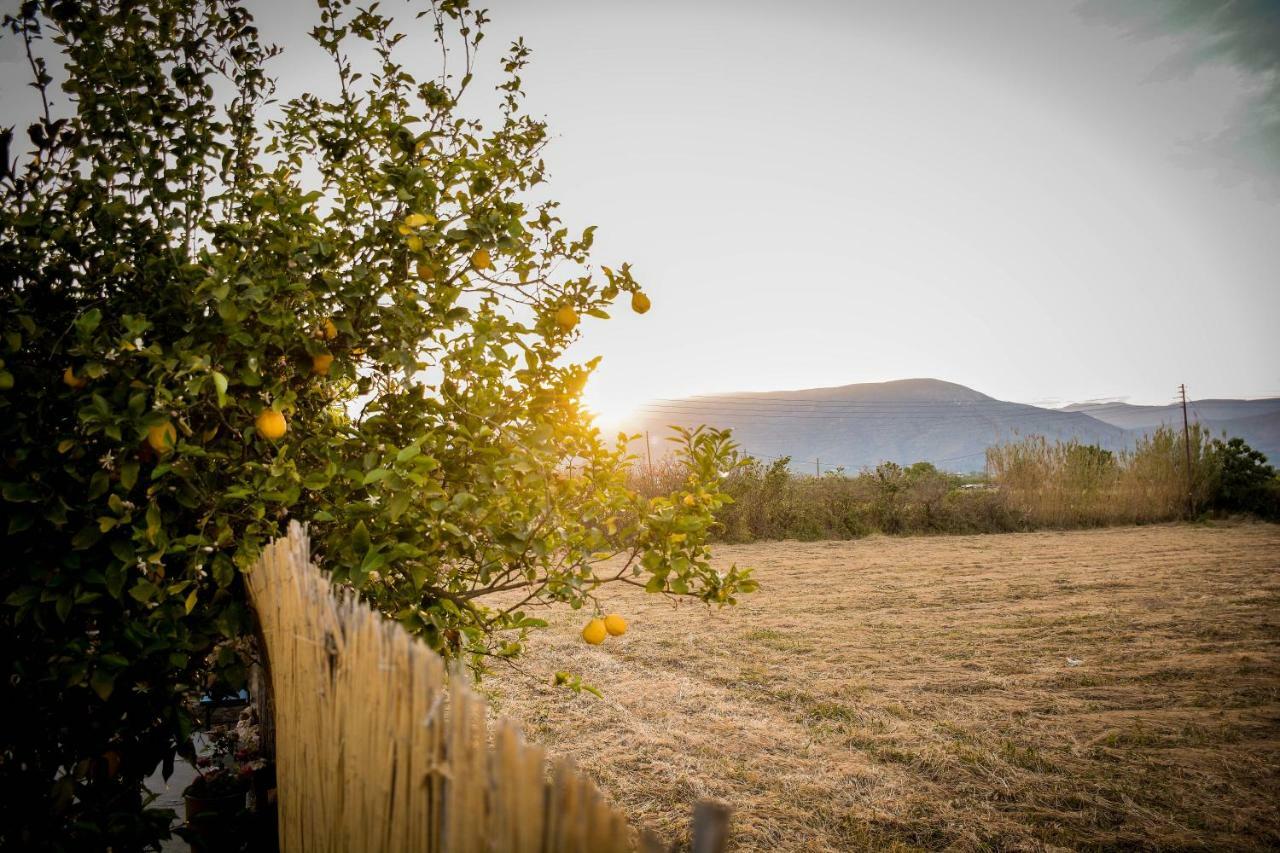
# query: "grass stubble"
[915,693]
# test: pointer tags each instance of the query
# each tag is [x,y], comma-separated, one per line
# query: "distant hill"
[859,426]
[1256,421]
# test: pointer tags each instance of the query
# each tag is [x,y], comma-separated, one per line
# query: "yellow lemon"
[327,330]
[566,318]
[414,243]
[480,259]
[321,363]
[639,302]
[615,625]
[162,437]
[595,632]
[72,381]
[416,220]
[271,424]
[6,380]
[690,500]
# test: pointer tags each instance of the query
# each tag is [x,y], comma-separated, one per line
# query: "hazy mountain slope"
[857,426]
[1208,411]
[1261,432]
[1256,421]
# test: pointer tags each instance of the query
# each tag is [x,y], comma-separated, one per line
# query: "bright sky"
[814,194]
[1007,194]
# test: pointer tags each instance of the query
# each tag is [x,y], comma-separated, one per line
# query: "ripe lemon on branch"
[595,632]
[271,424]
[70,379]
[566,318]
[639,302]
[615,625]
[162,437]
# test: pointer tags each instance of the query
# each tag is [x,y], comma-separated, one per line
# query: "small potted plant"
[222,778]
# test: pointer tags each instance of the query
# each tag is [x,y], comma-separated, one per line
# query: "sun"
[608,411]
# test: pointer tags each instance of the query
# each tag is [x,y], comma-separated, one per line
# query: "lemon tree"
[351,311]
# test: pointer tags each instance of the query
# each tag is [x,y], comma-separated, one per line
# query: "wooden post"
[1186,442]
[710,827]
[648,452]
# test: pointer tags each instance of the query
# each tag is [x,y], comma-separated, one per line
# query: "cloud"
[1241,34]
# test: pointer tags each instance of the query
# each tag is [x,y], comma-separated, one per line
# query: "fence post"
[710,827]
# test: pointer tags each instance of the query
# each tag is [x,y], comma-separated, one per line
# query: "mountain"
[1256,421]
[859,426]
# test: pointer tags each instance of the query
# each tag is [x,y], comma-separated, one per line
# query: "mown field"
[917,693]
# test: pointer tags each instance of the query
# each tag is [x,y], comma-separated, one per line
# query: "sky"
[1040,199]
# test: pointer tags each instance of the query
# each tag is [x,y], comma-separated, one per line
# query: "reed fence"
[379,748]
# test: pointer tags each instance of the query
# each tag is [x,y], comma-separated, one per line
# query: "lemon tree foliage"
[347,308]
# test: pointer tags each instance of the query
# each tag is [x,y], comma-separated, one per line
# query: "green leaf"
[103,683]
[154,520]
[223,572]
[116,576]
[397,505]
[22,595]
[360,538]
[220,385]
[128,475]
[144,590]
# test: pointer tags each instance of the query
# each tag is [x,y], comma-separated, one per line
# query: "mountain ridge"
[904,421]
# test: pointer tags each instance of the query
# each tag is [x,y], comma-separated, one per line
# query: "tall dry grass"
[1030,484]
[1069,484]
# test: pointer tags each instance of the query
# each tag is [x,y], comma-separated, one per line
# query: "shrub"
[1245,482]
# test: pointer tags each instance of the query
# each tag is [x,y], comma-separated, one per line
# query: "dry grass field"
[915,693]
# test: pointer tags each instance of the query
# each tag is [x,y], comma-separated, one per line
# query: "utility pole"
[1186,442]
[817,467]
[648,452]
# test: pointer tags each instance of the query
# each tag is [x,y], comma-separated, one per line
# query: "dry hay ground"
[915,693]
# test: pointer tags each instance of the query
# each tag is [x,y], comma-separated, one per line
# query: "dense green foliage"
[1033,484]
[1244,482]
[351,315]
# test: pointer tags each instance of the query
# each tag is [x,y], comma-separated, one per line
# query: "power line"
[869,405]
[693,411]
[848,466]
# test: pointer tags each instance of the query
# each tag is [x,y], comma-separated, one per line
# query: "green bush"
[1245,482]
[353,316]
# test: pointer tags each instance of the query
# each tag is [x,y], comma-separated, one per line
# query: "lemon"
[595,632]
[639,302]
[690,500]
[416,220]
[480,259]
[426,272]
[615,625]
[271,424]
[162,437]
[320,364]
[6,380]
[414,243]
[71,380]
[566,318]
[327,330]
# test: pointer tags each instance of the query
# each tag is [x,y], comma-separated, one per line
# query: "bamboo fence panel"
[373,753]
